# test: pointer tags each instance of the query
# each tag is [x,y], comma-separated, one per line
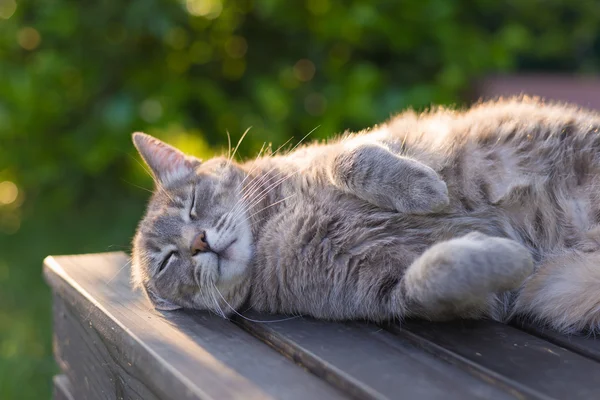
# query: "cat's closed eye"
[165,262]
[192,213]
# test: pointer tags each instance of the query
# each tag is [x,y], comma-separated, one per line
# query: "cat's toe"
[424,196]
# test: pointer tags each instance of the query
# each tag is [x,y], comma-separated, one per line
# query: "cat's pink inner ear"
[166,162]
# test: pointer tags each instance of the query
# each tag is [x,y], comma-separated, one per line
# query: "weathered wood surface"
[367,361]
[62,388]
[111,344]
[527,364]
[587,346]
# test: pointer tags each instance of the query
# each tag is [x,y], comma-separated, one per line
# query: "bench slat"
[187,356]
[586,346]
[367,361]
[62,388]
[531,366]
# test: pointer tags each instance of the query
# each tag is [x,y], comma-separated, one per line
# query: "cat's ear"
[161,304]
[166,162]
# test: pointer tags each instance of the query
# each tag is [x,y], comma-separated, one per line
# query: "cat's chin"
[233,294]
[231,271]
[233,261]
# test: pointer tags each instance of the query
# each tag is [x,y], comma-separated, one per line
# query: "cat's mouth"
[227,252]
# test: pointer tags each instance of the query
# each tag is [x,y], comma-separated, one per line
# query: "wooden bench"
[110,344]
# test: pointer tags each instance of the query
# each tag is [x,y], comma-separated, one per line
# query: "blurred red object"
[581,90]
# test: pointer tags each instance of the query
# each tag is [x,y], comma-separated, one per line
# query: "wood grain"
[111,344]
[117,335]
[367,361]
[62,388]
[530,366]
[588,346]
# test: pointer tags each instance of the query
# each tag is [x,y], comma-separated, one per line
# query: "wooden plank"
[587,346]
[367,361]
[97,369]
[533,367]
[62,388]
[182,355]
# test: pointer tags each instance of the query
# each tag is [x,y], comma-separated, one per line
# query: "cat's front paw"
[421,192]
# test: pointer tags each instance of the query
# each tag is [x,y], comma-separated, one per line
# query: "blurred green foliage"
[76,78]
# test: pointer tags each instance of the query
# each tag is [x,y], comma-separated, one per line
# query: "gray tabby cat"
[490,213]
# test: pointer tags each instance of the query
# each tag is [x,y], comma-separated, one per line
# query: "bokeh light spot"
[4,271]
[8,192]
[7,8]
[178,62]
[233,69]
[209,9]
[287,78]
[177,38]
[339,54]
[200,52]
[151,110]
[236,47]
[28,38]
[304,70]
[315,104]
[318,7]
[116,34]
[10,223]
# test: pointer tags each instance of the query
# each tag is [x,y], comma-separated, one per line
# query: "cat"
[489,212]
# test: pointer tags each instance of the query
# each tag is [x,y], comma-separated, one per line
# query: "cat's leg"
[461,277]
[373,173]
[564,292]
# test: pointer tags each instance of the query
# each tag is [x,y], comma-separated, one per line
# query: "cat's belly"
[549,221]
[323,249]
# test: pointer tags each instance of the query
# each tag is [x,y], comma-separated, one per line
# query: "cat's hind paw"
[459,277]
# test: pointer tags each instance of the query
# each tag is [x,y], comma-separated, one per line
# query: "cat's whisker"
[269,189]
[249,319]
[218,310]
[280,147]
[261,196]
[256,189]
[142,165]
[272,154]
[260,188]
[269,206]
[269,183]
[156,181]
[248,218]
[256,165]
[254,183]
[268,172]
[256,180]
[117,246]
[252,169]
[228,145]
[305,136]
[118,272]
[239,205]
[249,198]
[238,144]
[137,186]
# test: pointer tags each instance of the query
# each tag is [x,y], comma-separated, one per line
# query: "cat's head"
[193,247]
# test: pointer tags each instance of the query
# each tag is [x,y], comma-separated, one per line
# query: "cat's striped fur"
[489,212]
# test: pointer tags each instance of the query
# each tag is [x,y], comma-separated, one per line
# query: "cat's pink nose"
[200,245]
